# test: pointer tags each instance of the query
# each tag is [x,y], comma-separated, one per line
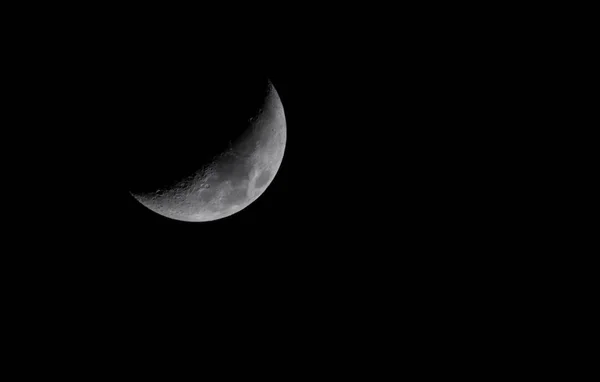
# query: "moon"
[232,179]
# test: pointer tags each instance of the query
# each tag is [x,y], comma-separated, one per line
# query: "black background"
[104,114]
[393,222]
[361,175]
[369,199]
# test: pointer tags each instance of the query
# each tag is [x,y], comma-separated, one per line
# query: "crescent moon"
[233,179]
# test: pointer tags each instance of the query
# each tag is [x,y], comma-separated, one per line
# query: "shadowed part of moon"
[232,179]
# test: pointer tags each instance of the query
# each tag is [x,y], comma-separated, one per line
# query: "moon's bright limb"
[235,178]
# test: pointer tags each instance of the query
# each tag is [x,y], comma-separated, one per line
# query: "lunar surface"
[233,179]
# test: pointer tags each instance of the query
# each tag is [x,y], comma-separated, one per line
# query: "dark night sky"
[379,206]
[388,218]
[297,214]
[351,112]
[357,183]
